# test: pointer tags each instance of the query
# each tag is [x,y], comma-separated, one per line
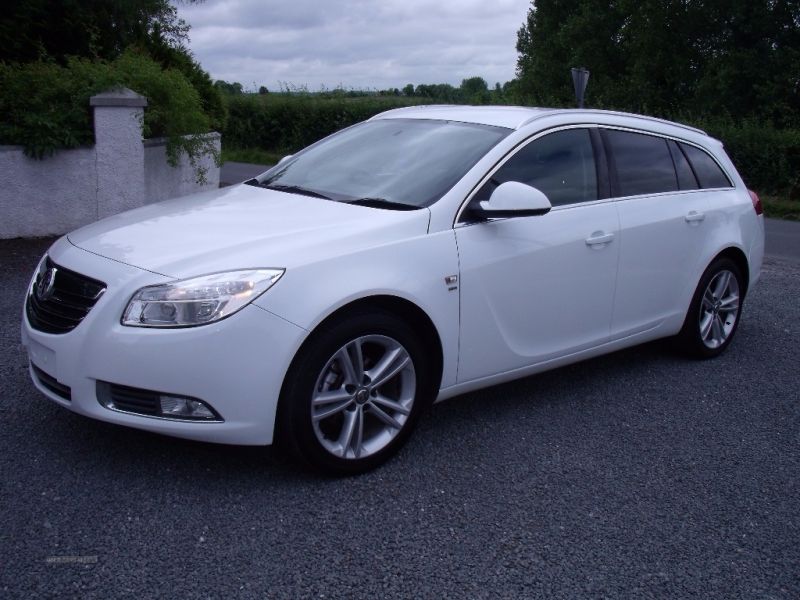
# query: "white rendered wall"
[46,197]
[72,188]
[163,181]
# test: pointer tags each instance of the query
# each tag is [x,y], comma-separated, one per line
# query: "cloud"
[359,44]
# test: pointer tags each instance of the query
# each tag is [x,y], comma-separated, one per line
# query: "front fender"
[413,269]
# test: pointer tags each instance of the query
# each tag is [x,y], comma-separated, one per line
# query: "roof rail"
[411,107]
[590,111]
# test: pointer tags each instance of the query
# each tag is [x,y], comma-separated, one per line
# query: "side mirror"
[285,158]
[514,199]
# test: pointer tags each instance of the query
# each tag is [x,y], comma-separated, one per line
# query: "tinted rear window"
[686,178]
[705,168]
[643,163]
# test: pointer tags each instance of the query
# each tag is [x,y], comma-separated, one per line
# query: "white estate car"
[424,253]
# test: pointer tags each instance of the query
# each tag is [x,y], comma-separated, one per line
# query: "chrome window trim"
[580,204]
[539,134]
[676,192]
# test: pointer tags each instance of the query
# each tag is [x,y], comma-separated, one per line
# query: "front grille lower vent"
[129,399]
[51,383]
[60,299]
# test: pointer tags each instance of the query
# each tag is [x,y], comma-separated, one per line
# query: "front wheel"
[715,310]
[354,393]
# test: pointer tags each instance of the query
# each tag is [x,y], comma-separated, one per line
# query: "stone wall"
[75,187]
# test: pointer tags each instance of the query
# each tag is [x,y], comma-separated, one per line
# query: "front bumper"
[236,365]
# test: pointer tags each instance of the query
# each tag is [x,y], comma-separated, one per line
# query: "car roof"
[511,117]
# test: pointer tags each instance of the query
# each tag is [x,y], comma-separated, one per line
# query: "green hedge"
[767,158]
[286,123]
[45,107]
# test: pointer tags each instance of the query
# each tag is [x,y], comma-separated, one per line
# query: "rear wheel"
[354,393]
[714,313]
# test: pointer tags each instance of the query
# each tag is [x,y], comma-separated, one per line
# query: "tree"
[558,35]
[234,89]
[439,92]
[263,90]
[34,29]
[475,90]
[179,58]
[670,57]
[408,90]
[511,93]
[140,43]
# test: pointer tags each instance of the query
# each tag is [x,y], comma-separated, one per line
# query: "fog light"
[185,408]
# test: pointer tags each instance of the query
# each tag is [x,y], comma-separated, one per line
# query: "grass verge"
[255,156]
[776,207]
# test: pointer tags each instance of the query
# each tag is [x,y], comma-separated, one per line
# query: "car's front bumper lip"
[236,365]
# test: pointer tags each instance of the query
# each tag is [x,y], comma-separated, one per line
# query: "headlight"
[199,300]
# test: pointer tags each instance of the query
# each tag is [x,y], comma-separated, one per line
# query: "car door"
[535,288]
[662,225]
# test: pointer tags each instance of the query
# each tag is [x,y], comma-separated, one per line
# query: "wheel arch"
[406,309]
[740,259]
[687,338]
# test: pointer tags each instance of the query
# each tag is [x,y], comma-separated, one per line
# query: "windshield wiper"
[382,203]
[294,189]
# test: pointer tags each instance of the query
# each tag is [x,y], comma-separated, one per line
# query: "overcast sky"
[360,44]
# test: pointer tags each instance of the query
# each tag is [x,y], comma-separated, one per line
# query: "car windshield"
[389,163]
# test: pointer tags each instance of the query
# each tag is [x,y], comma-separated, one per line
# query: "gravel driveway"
[639,474]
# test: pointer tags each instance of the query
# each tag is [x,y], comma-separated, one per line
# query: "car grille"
[128,399]
[60,299]
[52,384]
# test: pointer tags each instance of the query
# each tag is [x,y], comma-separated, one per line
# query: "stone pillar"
[118,116]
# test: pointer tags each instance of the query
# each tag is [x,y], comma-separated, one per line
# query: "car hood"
[242,227]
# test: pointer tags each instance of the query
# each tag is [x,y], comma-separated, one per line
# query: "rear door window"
[708,172]
[643,163]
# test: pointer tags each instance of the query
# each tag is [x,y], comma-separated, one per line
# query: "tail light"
[756,203]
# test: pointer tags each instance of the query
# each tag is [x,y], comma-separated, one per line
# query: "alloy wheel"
[363,397]
[719,309]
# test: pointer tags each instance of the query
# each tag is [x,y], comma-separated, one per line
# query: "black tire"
[298,435]
[691,339]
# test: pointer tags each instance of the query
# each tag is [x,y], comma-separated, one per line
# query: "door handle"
[694,216]
[599,238]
